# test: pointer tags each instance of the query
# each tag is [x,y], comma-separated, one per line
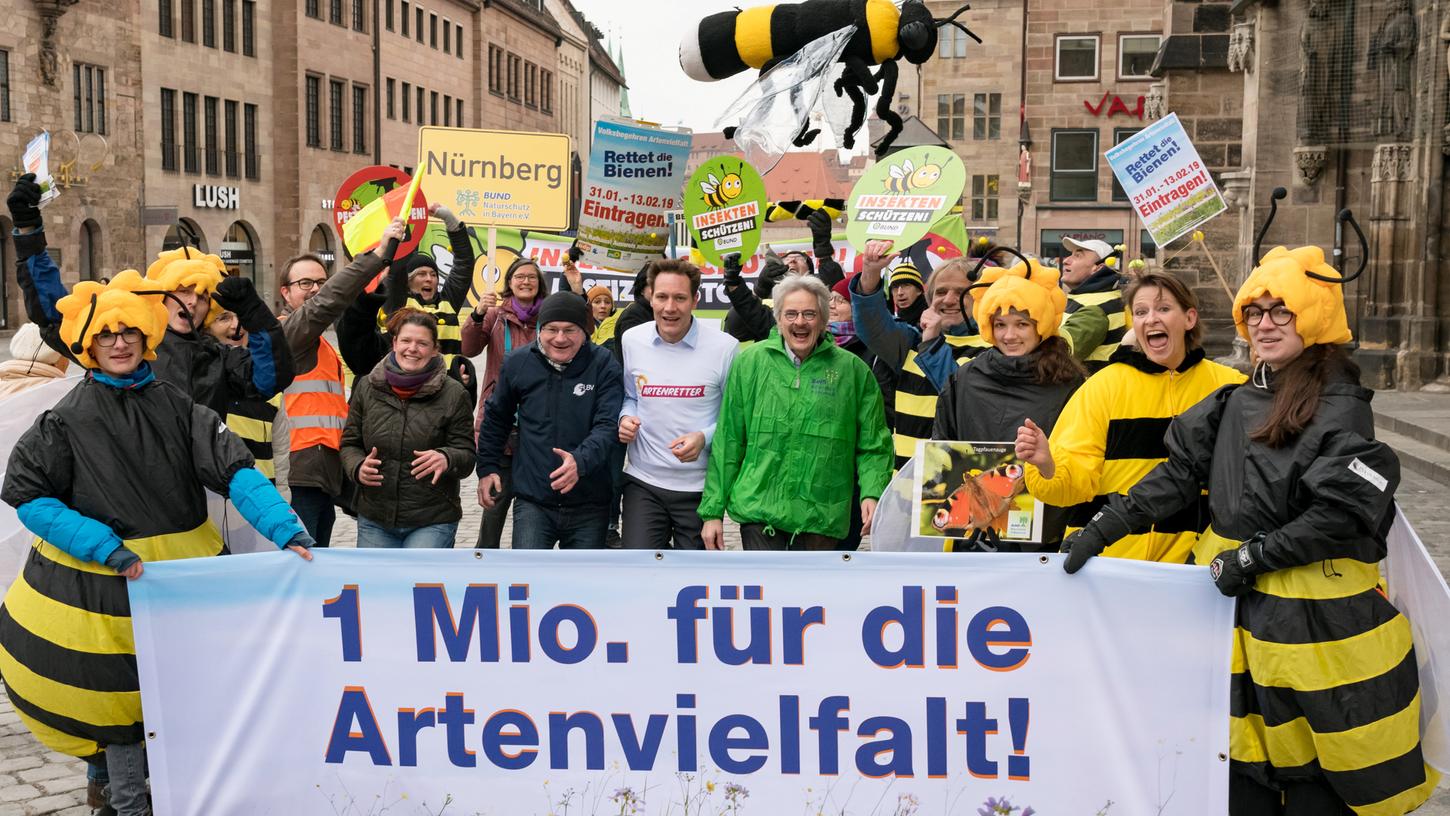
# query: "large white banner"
[511,683]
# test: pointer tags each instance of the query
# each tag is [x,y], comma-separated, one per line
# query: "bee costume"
[113,473]
[1325,694]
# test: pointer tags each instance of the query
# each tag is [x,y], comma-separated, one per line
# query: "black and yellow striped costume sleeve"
[916,397]
[1111,302]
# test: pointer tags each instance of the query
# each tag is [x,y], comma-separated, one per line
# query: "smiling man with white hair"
[801,427]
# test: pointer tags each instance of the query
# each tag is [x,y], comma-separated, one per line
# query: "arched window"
[239,251]
[320,244]
[184,231]
[91,265]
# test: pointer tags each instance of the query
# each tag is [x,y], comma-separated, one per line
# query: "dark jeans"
[126,765]
[490,526]
[315,509]
[655,517]
[758,537]
[537,527]
[616,481]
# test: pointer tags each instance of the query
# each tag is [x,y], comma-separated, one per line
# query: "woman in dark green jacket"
[408,441]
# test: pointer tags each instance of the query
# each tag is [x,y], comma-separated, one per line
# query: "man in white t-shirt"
[674,378]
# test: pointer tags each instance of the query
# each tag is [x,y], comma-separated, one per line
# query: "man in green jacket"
[801,426]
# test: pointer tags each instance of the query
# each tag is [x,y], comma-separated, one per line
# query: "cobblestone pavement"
[34,781]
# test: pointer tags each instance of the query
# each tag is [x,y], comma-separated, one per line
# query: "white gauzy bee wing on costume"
[770,113]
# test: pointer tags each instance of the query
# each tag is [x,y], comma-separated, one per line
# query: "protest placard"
[363,188]
[36,159]
[967,489]
[520,683]
[901,196]
[498,178]
[1162,175]
[636,174]
[725,207]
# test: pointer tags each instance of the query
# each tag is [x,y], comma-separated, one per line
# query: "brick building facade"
[230,124]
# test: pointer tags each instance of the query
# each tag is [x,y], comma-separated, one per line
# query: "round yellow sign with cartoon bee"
[902,195]
[725,207]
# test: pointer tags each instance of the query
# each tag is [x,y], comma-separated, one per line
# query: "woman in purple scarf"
[502,327]
[408,441]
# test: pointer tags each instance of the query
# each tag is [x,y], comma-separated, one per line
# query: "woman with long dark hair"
[1028,373]
[1325,698]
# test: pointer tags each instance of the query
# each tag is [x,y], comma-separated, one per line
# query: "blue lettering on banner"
[473,626]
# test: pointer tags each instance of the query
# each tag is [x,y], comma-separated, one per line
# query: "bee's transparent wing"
[770,113]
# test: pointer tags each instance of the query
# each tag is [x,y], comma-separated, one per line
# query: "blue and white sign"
[1164,177]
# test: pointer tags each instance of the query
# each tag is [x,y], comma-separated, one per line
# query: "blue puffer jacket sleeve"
[79,536]
[889,339]
[263,507]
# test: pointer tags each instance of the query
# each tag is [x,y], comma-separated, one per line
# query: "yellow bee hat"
[93,307]
[1288,274]
[185,266]
[1028,287]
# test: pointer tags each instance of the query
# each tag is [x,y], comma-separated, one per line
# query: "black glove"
[820,224]
[237,295]
[1106,528]
[1233,571]
[302,540]
[575,253]
[732,270]
[24,202]
[120,558]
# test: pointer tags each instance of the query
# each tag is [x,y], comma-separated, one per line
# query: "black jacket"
[987,401]
[575,410]
[134,459]
[635,314]
[749,318]
[1329,494]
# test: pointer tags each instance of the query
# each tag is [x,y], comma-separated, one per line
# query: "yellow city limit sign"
[497,178]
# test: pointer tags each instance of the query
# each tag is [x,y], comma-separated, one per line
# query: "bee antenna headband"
[1345,216]
[1274,197]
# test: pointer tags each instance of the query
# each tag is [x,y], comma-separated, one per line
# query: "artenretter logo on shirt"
[673,391]
[667,391]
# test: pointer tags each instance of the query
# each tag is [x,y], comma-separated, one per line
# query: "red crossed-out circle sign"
[370,183]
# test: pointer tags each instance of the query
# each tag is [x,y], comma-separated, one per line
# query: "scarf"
[141,376]
[526,314]
[550,360]
[406,383]
[843,330]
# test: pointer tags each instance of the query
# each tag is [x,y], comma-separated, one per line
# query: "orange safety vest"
[316,403]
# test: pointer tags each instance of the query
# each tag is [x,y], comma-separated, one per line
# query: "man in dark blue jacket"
[563,393]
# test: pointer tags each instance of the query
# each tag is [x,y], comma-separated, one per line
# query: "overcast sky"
[650,33]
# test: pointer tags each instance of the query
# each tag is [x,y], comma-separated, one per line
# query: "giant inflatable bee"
[793,45]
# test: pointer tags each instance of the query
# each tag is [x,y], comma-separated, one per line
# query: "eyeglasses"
[106,339]
[809,316]
[568,331]
[1280,315]
[308,284]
